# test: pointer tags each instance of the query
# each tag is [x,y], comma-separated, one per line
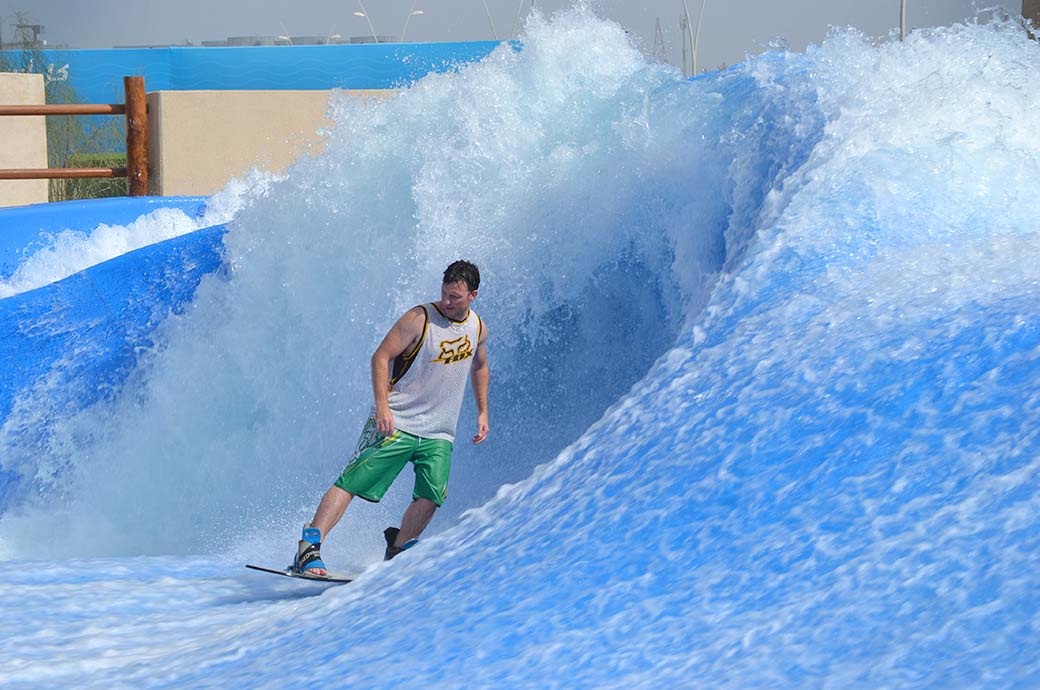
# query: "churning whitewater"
[765,349]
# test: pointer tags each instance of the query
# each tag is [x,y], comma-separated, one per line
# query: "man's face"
[456,298]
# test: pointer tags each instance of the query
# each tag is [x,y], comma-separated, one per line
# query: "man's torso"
[428,381]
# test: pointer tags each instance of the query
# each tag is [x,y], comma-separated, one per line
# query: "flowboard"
[287,572]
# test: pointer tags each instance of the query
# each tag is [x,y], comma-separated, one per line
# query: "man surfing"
[419,375]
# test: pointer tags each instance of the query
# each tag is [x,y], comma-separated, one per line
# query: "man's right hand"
[385,421]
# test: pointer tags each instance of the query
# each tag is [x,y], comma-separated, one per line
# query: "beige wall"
[23,140]
[199,140]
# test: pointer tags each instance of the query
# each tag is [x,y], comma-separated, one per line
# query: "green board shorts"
[379,459]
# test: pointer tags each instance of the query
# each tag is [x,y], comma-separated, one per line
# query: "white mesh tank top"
[427,384]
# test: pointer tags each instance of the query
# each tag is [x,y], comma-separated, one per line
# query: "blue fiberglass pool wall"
[97,75]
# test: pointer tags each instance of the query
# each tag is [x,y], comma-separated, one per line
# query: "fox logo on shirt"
[455,350]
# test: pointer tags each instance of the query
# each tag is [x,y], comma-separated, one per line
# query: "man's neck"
[441,309]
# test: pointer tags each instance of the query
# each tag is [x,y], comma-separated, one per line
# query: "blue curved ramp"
[21,226]
[72,343]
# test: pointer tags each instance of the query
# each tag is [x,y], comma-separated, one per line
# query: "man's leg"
[331,508]
[333,504]
[416,517]
[432,460]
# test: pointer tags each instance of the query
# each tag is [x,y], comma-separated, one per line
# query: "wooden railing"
[136,111]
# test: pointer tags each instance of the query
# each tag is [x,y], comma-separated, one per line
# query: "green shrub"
[92,187]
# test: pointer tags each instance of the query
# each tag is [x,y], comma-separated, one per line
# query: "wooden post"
[1031,13]
[136,136]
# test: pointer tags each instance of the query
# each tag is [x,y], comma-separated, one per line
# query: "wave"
[753,266]
[764,349]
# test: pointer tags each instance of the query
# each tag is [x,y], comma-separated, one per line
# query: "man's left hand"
[482,429]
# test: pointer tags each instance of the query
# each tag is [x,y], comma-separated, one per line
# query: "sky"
[730,29]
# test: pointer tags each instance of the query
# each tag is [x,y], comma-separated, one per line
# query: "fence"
[135,109]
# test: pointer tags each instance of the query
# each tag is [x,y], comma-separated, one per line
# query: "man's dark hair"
[464,271]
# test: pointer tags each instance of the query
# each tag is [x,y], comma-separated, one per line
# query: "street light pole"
[490,20]
[411,13]
[689,31]
[364,14]
[519,9]
[902,20]
[700,16]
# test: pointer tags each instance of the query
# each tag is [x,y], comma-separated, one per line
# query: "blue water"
[765,350]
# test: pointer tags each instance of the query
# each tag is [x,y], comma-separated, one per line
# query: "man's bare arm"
[480,377]
[402,337]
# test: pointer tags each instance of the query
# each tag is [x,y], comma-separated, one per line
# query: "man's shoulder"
[414,319]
